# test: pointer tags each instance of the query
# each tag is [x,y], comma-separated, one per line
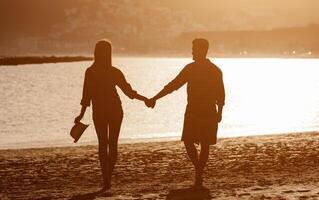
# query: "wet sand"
[261,167]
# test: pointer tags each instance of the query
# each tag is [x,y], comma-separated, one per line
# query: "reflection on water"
[263,96]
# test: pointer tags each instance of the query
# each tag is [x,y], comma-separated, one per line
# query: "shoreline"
[26,60]
[252,167]
[139,141]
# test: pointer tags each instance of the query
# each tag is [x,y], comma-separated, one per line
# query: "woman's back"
[99,87]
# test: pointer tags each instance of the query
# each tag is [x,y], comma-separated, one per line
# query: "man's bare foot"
[198,184]
[105,187]
[198,180]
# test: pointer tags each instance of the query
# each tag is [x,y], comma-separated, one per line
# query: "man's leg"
[203,157]
[192,152]
[193,155]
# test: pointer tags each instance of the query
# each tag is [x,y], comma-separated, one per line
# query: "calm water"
[263,96]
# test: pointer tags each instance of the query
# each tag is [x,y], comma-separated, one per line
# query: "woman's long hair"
[103,53]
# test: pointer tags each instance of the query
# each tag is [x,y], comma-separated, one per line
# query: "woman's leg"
[114,129]
[101,127]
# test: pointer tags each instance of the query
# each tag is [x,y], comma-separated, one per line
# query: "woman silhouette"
[99,87]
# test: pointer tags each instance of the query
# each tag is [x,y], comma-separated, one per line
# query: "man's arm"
[221,98]
[175,84]
[219,113]
[165,91]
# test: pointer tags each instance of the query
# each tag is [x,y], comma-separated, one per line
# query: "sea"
[38,102]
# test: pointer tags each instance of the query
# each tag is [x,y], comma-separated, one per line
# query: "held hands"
[150,103]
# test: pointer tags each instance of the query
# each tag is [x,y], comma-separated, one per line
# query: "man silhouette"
[205,97]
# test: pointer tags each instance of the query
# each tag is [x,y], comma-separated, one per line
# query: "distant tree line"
[40,60]
[294,41]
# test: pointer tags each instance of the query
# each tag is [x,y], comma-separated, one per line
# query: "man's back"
[205,87]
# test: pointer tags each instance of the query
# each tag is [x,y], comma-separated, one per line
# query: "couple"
[206,96]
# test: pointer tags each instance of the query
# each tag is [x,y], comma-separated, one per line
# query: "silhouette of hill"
[37,27]
[294,41]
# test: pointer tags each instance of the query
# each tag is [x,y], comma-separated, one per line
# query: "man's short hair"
[201,43]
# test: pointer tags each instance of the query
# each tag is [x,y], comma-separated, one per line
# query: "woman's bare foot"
[108,185]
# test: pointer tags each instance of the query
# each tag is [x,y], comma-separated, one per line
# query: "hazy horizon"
[73,26]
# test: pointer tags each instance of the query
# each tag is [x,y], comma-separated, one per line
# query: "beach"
[136,77]
[255,167]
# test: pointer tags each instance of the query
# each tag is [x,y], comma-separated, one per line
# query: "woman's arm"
[127,89]
[140,97]
[78,118]
[86,97]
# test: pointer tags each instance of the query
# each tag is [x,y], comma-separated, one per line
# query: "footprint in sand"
[257,189]
[244,194]
[305,190]
[288,191]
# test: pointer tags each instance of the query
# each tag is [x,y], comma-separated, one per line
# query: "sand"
[263,167]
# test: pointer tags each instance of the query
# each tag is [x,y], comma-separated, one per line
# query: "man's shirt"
[205,87]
